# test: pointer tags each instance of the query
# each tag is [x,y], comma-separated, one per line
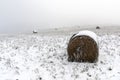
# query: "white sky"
[23,15]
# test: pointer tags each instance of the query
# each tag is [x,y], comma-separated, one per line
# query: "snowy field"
[44,57]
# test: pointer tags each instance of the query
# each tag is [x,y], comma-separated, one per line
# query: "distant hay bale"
[97,27]
[83,47]
[35,32]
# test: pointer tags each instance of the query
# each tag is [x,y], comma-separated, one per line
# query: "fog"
[26,15]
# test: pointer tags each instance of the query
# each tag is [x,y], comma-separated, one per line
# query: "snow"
[87,33]
[44,57]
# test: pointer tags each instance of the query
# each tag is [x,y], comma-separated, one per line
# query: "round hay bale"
[35,32]
[83,47]
[97,27]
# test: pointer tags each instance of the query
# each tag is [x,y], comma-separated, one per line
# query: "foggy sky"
[26,15]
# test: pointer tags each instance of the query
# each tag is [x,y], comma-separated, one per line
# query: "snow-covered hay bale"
[35,32]
[83,47]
